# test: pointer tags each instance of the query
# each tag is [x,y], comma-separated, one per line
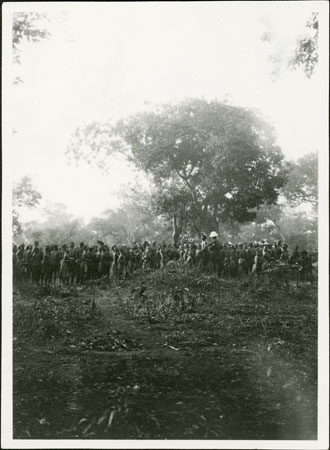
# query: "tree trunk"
[177,229]
[197,228]
[279,230]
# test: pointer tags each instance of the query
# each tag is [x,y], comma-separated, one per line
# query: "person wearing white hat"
[214,249]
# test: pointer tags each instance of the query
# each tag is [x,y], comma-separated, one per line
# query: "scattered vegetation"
[59,316]
[174,356]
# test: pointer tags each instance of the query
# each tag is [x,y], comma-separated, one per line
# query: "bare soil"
[243,366]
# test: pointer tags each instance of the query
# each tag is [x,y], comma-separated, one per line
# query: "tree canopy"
[24,195]
[305,54]
[302,185]
[133,220]
[209,161]
[26,25]
[59,227]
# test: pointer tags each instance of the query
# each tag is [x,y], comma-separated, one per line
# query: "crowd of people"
[77,264]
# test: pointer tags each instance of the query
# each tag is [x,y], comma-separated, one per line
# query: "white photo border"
[322,97]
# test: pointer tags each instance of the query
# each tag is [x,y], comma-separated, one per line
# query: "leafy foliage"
[223,157]
[59,228]
[209,161]
[306,53]
[175,205]
[24,195]
[283,222]
[302,185]
[25,27]
[134,220]
[300,229]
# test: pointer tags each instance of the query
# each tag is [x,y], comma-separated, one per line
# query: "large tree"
[209,161]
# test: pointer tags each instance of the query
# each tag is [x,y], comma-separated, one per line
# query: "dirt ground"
[241,366]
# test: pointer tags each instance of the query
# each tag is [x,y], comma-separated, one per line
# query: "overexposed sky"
[106,60]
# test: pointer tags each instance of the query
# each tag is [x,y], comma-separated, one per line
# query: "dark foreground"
[186,359]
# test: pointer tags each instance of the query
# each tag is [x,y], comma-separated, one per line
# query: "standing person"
[158,257]
[250,254]
[190,255]
[64,266]
[285,254]
[136,257]
[99,259]
[279,249]
[72,262]
[203,241]
[242,260]
[267,257]
[131,259]
[84,264]
[154,251]
[27,265]
[20,261]
[306,263]
[163,255]
[106,262]
[226,268]
[126,260]
[235,258]
[214,247]
[181,253]
[47,265]
[258,262]
[52,262]
[173,253]
[103,258]
[78,256]
[295,255]
[199,255]
[36,262]
[221,263]
[114,265]
[92,263]
[146,257]
[193,249]
[57,256]
[15,263]
[122,263]
[272,250]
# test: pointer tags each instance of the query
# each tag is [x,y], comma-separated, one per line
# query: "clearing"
[170,357]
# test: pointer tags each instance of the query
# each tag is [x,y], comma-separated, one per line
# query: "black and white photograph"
[165,224]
